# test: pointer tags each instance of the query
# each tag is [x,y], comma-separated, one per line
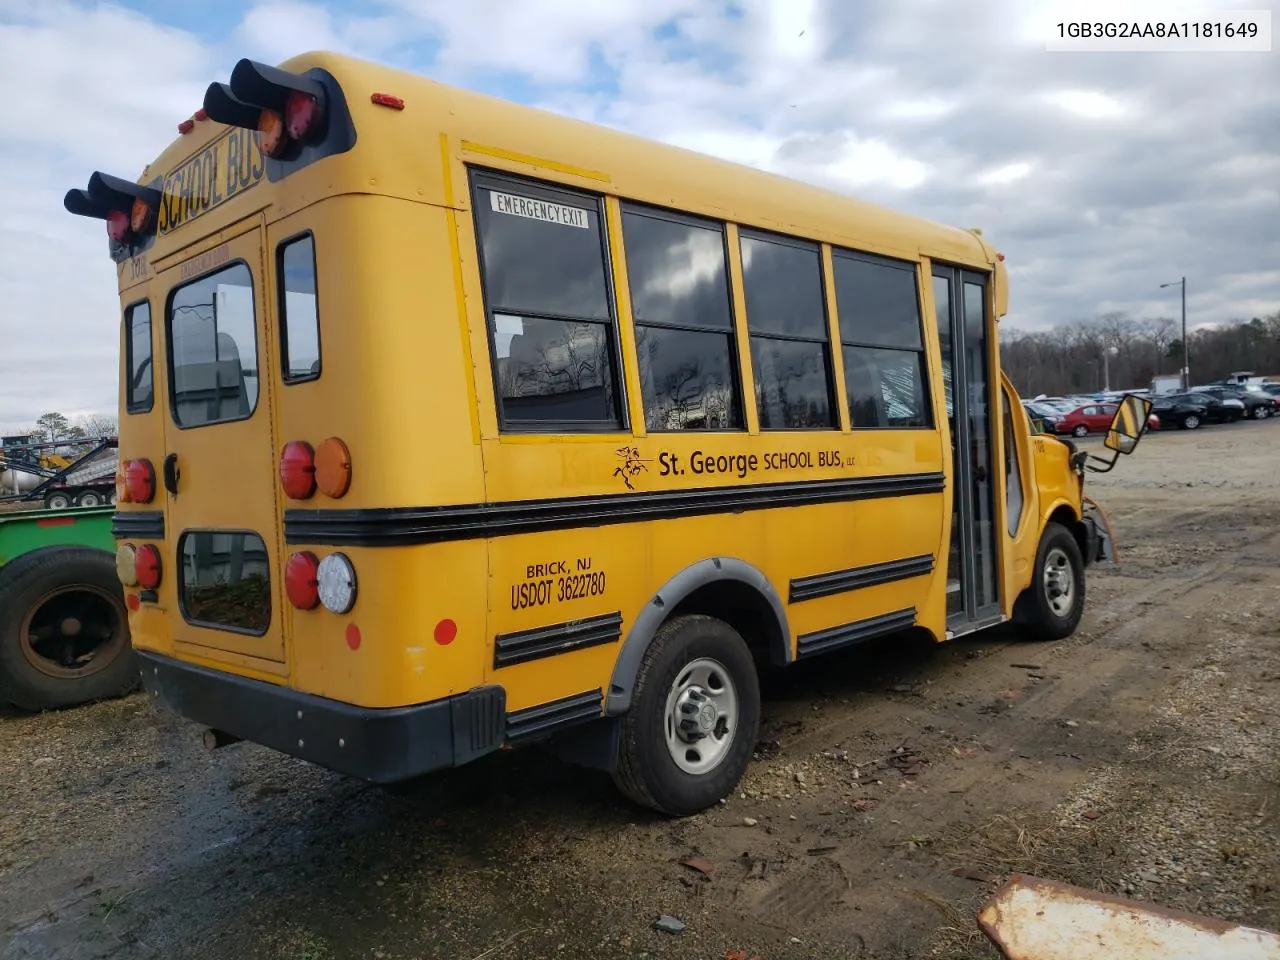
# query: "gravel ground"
[1137,757]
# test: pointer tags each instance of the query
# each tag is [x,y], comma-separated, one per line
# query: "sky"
[1100,176]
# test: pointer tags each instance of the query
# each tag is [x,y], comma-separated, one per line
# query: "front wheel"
[1190,421]
[692,726]
[1051,607]
[1081,431]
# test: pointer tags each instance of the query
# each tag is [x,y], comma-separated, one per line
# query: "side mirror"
[1130,423]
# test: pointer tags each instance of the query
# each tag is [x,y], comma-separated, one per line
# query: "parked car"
[1083,420]
[1258,405]
[1229,410]
[1186,411]
[1044,416]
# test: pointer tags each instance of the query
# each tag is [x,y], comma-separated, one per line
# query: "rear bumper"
[382,746]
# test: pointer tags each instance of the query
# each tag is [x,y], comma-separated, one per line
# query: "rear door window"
[137,324]
[299,314]
[213,349]
[225,580]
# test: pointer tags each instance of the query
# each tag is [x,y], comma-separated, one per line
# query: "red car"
[1094,418]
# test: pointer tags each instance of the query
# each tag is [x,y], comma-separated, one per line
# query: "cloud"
[1100,176]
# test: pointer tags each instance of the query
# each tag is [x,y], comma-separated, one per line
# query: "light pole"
[1186,350]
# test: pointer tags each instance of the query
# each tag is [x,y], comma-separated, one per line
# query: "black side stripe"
[138,524]
[842,581]
[549,718]
[512,648]
[846,635]
[404,526]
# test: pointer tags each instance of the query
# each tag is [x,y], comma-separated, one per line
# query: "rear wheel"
[1190,421]
[90,498]
[688,737]
[1051,607]
[64,634]
[1081,431]
[58,500]
[1261,412]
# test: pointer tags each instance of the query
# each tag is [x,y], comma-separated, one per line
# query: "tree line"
[1069,358]
[54,427]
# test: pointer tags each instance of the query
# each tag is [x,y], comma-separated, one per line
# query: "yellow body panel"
[406,382]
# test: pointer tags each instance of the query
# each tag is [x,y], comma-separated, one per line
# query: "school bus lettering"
[230,165]
[205,261]
[742,465]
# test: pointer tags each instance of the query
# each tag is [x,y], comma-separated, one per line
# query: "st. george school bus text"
[449,425]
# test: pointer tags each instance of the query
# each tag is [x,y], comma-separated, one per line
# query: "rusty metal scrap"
[1033,919]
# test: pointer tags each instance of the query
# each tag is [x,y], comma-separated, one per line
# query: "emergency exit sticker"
[539,210]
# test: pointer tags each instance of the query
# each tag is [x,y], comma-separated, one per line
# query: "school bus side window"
[139,393]
[882,342]
[786,316]
[213,348]
[549,305]
[678,275]
[299,313]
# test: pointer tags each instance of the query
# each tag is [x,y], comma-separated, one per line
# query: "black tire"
[1081,430]
[44,590]
[1190,421]
[90,498]
[1260,412]
[646,771]
[1034,610]
[57,500]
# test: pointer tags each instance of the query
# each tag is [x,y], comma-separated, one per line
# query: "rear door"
[219,475]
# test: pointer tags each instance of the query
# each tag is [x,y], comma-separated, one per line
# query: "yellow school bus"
[450,425]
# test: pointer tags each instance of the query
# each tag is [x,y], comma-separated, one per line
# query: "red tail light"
[301,114]
[302,580]
[139,481]
[147,566]
[298,470]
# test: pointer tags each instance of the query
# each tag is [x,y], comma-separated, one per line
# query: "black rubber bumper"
[381,746]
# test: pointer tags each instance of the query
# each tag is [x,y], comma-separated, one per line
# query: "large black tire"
[1042,611]
[646,770]
[71,598]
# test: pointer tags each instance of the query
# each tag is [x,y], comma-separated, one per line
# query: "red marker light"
[387,100]
[353,636]
[201,115]
[446,632]
[186,126]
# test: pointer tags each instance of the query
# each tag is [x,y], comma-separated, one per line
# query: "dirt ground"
[1139,756]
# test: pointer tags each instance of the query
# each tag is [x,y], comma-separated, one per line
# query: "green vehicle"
[64,633]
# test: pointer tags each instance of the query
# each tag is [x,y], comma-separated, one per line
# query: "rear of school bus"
[333,543]
[278,335]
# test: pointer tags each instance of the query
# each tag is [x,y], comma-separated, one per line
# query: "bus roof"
[491,131]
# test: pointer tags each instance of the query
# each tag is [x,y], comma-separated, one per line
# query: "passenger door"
[218,479]
[960,301]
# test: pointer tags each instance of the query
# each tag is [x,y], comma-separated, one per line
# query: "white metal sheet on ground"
[1033,919]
